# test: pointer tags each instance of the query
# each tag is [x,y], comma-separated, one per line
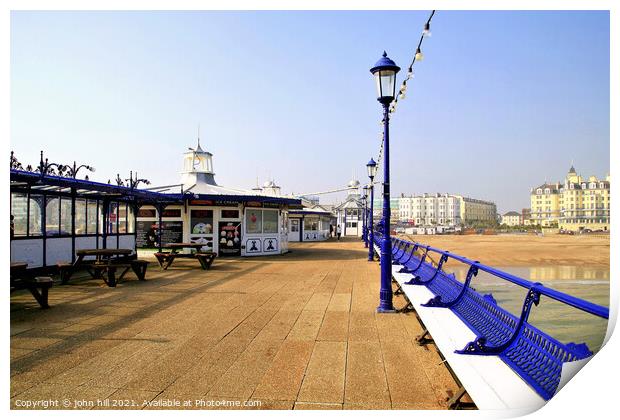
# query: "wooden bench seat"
[38,287]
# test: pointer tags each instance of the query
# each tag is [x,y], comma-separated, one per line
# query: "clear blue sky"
[502,102]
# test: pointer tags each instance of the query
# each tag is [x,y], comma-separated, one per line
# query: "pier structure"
[295,332]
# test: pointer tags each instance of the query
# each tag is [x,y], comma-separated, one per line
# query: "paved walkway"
[294,331]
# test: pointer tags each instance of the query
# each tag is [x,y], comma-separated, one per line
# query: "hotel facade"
[444,210]
[576,205]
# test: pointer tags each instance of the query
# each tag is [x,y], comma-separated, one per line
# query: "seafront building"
[511,218]
[546,202]
[378,206]
[444,210]
[576,205]
[526,217]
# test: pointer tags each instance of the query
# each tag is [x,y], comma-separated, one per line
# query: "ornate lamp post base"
[381,310]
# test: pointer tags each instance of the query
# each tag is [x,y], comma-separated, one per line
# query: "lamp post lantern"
[365,217]
[372,171]
[384,72]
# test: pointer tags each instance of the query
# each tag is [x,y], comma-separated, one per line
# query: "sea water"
[563,322]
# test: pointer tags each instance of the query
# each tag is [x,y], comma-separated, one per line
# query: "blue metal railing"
[532,354]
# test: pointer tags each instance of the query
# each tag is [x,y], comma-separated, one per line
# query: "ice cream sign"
[229,238]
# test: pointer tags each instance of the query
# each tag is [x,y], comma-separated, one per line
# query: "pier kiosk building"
[311,223]
[230,222]
[350,213]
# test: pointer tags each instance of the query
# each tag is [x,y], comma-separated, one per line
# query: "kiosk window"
[311,223]
[201,222]
[270,221]
[254,221]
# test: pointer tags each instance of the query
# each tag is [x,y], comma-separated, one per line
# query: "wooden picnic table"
[176,246]
[37,286]
[105,262]
[165,259]
[18,267]
[102,254]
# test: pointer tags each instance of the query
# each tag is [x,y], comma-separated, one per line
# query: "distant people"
[331,230]
[12,226]
[338,232]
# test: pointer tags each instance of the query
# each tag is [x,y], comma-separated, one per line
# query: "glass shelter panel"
[35,217]
[91,219]
[52,216]
[80,216]
[19,213]
[65,216]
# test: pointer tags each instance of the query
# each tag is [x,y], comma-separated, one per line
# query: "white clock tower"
[197,168]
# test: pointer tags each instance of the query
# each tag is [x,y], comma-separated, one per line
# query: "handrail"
[575,302]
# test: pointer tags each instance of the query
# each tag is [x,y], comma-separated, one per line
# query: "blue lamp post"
[365,217]
[384,72]
[372,171]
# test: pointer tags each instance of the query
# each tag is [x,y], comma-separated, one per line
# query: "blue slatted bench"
[528,365]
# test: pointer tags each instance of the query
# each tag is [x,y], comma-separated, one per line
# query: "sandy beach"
[524,250]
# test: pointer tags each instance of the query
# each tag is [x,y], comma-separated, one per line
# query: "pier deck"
[297,331]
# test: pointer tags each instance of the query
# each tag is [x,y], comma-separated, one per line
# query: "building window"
[270,221]
[91,217]
[35,215]
[122,218]
[80,216]
[201,222]
[19,210]
[52,216]
[261,221]
[311,223]
[131,220]
[112,218]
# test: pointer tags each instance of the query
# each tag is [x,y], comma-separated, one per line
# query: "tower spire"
[198,148]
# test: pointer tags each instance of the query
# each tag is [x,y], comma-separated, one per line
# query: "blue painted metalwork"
[406,267]
[411,255]
[386,69]
[364,218]
[399,251]
[385,294]
[372,165]
[532,354]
